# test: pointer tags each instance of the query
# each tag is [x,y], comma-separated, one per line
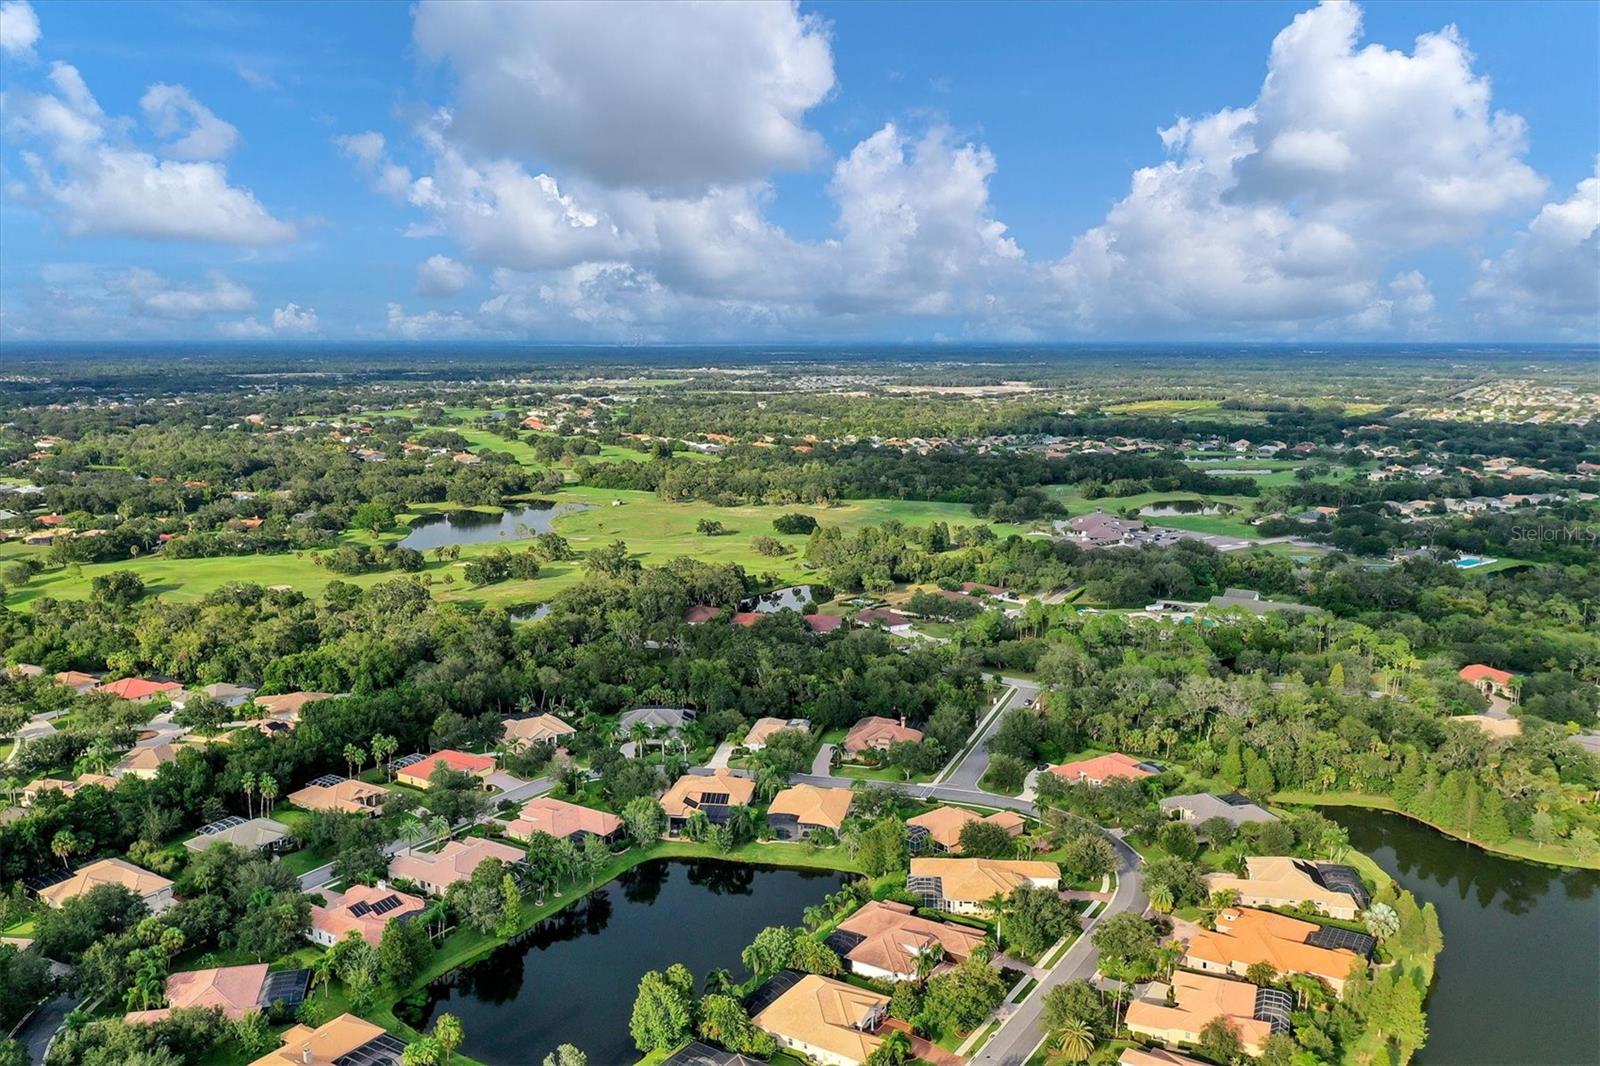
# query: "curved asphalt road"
[1020,1035]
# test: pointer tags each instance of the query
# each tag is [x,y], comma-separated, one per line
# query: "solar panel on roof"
[714,799]
[360,909]
[386,904]
[1331,936]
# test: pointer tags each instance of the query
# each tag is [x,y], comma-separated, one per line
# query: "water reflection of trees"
[722,878]
[643,883]
[1472,873]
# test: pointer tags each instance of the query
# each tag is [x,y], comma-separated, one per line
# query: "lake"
[1168,508]
[1520,972]
[571,979]
[476,527]
[794,598]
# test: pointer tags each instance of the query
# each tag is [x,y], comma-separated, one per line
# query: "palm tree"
[322,968]
[1160,894]
[383,749]
[928,961]
[1382,921]
[423,1051]
[248,784]
[438,826]
[1076,1038]
[413,832]
[997,904]
[354,755]
[63,844]
[269,792]
[769,782]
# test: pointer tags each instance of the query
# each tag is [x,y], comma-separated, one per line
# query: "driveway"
[37,1032]
[975,763]
[719,758]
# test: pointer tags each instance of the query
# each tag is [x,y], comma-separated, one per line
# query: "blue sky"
[820,172]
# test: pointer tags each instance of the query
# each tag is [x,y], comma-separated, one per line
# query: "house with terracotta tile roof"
[77,681]
[435,871]
[343,795]
[700,614]
[145,762]
[234,990]
[155,890]
[289,705]
[1488,680]
[416,775]
[715,794]
[522,733]
[362,909]
[827,1021]
[823,623]
[564,821]
[31,792]
[939,830]
[876,733]
[886,940]
[757,737]
[1244,937]
[1287,882]
[346,1039]
[965,886]
[138,689]
[800,810]
[1102,768]
[1176,1013]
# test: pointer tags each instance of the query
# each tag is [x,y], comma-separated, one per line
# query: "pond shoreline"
[1388,806]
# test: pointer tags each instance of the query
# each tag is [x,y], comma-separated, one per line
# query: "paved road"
[37,1032]
[312,880]
[1020,1035]
[1017,693]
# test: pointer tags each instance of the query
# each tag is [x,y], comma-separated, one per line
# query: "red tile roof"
[1476,672]
[1102,768]
[137,688]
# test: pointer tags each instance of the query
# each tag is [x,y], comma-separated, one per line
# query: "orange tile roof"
[813,805]
[878,732]
[1245,936]
[464,761]
[976,880]
[1102,768]
[1199,999]
[290,703]
[137,688]
[827,1014]
[456,861]
[944,824]
[539,729]
[234,989]
[345,796]
[327,1042]
[740,791]
[1476,672]
[139,881]
[894,936]
[336,918]
[561,819]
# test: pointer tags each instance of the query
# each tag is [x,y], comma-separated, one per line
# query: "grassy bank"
[1525,850]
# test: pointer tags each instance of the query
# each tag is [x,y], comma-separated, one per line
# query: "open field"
[655,531]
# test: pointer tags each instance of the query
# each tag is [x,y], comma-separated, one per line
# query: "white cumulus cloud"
[149,293]
[663,96]
[1551,273]
[172,111]
[439,275]
[19,28]
[100,185]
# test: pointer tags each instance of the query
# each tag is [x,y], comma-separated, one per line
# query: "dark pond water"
[571,979]
[1165,508]
[476,527]
[1519,979]
[793,598]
